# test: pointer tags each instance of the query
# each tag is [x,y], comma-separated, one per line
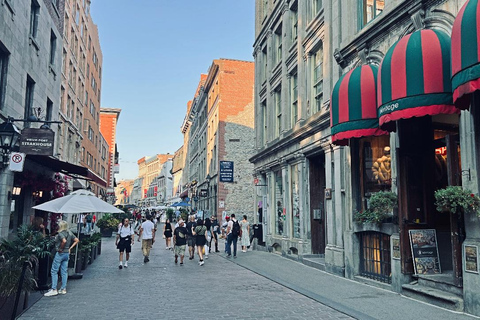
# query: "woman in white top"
[245,225]
[124,241]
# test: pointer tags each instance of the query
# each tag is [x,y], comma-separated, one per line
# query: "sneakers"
[51,293]
[120,267]
[126,264]
[62,291]
[201,262]
[145,260]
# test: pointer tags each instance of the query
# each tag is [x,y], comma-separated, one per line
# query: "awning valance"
[353,105]
[466,53]
[414,78]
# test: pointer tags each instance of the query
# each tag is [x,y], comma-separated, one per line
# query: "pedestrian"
[94,219]
[191,237]
[245,239]
[215,231]
[88,219]
[208,224]
[125,240]
[180,241]
[147,233]
[233,228]
[81,221]
[167,233]
[65,241]
[200,232]
[223,231]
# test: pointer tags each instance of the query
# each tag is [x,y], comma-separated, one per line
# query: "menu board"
[471,258]
[425,251]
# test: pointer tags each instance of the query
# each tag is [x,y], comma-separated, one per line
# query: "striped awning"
[353,105]
[414,78]
[466,53]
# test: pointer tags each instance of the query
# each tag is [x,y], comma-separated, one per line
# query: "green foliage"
[25,248]
[170,214]
[456,199]
[108,222]
[380,207]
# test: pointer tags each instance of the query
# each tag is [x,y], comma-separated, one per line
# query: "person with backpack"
[65,241]
[200,232]
[124,241]
[233,232]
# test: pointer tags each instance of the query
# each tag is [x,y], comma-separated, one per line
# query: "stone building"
[177,174]
[398,82]
[221,140]
[30,78]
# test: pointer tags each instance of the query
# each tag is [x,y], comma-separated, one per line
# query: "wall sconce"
[17,191]
[37,194]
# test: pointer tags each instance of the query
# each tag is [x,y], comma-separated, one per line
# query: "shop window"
[369,10]
[375,166]
[295,202]
[280,214]
[375,256]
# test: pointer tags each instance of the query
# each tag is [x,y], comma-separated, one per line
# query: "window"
[92,109]
[34,13]
[53,47]
[65,31]
[49,110]
[30,88]
[95,59]
[86,97]
[278,111]
[317,80]
[265,8]
[278,45]
[294,98]
[369,10]
[294,20]
[77,16]
[279,212]
[317,6]
[88,70]
[64,59]
[375,256]
[376,166]
[295,201]
[90,133]
[79,120]
[264,122]
[89,42]
[3,75]
[265,64]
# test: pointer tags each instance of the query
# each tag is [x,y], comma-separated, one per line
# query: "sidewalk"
[350,297]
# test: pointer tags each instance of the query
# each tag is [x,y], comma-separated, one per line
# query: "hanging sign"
[425,251]
[17,160]
[37,141]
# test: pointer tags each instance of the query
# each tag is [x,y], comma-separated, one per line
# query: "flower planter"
[44,265]
[387,228]
[99,247]
[85,258]
[95,250]
[90,256]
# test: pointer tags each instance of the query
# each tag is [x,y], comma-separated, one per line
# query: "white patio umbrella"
[80,201]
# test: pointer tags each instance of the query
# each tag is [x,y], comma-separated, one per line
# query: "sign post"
[425,251]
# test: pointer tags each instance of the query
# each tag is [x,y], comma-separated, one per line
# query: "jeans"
[60,260]
[89,227]
[231,239]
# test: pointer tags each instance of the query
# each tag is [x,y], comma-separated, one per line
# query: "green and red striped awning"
[353,105]
[414,78]
[466,53]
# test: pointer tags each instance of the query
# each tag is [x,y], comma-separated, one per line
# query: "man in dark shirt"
[190,237]
[180,240]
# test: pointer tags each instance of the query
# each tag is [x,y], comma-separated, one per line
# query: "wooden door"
[317,202]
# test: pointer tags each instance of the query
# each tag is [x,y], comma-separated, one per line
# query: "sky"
[153,54]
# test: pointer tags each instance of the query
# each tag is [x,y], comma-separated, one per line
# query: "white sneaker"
[51,293]
[62,291]
[126,264]
[201,263]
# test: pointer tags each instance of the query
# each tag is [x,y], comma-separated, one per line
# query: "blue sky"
[153,54]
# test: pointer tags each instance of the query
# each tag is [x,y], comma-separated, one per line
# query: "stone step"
[314,262]
[433,296]
[443,282]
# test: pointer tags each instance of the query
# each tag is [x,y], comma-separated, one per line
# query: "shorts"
[191,241]
[201,241]
[179,250]
[125,245]
[167,234]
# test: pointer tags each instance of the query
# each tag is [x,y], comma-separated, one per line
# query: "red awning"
[414,78]
[184,194]
[353,106]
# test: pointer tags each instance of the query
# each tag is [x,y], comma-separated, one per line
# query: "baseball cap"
[227,217]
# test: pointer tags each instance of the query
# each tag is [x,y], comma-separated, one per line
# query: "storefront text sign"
[226,171]
[471,258]
[17,161]
[37,141]
[425,251]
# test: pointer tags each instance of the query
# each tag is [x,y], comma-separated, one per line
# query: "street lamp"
[208,178]
[9,134]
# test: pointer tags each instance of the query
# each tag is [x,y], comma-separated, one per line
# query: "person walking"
[245,240]
[167,233]
[233,231]
[200,232]
[180,241]
[124,241]
[214,231]
[147,234]
[65,241]
[191,237]
[88,219]
[94,219]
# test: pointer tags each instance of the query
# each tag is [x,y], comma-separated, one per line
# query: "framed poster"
[470,253]
[425,251]
[396,248]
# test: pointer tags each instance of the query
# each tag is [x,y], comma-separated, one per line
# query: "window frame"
[294,98]
[4,60]
[362,13]
[278,110]
[317,82]
[34,17]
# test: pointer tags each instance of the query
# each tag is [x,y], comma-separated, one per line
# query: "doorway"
[317,203]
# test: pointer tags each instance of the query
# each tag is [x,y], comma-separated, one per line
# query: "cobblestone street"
[162,290]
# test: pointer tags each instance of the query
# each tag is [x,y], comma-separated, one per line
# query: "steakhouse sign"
[37,141]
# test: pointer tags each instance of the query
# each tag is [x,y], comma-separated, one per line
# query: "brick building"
[221,135]
[108,128]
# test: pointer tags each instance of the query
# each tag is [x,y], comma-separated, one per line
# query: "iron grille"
[375,256]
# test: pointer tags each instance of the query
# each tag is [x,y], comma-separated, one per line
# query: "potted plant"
[107,224]
[456,200]
[380,207]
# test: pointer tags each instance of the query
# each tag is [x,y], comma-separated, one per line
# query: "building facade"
[221,139]
[108,127]
[177,174]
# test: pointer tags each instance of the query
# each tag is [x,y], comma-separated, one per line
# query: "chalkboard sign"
[425,251]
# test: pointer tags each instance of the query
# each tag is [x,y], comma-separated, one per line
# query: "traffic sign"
[17,160]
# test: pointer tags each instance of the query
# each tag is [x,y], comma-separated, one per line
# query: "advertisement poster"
[425,251]
[471,258]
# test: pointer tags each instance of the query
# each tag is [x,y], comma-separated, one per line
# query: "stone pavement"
[162,290]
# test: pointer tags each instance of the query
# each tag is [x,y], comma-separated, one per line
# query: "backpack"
[236,230]
[89,218]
